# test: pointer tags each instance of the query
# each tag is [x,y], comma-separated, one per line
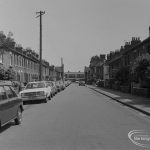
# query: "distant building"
[74,76]
[96,69]
[59,72]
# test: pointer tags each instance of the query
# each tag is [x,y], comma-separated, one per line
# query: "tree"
[10,74]
[2,38]
[7,74]
[2,73]
[123,76]
[6,41]
[94,60]
[93,64]
[141,69]
[9,42]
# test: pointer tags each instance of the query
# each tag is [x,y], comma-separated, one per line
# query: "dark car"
[81,83]
[11,106]
[100,83]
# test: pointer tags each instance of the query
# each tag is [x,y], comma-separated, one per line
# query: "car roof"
[37,82]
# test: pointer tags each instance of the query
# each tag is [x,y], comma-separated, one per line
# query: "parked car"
[77,81]
[58,86]
[100,83]
[38,90]
[67,83]
[53,89]
[81,83]
[11,106]
[54,84]
[62,84]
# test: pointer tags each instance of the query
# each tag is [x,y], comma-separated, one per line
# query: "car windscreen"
[35,85]
[49,84]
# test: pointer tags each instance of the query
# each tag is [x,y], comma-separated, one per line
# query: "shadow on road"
[7,126]
[32,102]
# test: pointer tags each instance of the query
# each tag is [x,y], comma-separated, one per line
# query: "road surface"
[77,118]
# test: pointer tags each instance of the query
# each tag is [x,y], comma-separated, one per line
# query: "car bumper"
[33,98]
[81,84]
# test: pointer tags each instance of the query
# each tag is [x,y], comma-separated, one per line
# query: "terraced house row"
[24,63]
[126,69]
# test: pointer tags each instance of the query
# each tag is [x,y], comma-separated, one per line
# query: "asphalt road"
[75,119]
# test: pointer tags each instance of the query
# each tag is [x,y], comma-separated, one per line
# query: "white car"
[53,87]
[38,90]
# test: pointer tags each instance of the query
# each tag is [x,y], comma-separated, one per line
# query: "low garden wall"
[115,87]
[141,91]
[125,89]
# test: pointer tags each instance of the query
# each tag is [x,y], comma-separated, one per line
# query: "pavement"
[141,104]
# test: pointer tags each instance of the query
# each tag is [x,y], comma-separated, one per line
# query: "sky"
[75,30]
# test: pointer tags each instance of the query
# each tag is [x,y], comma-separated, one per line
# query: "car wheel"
[49,97]
[18,120]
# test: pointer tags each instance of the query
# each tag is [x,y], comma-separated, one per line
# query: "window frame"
[13,94]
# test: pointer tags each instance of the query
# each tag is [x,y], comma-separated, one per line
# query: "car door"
[16,101]
[4,106]
[13,102]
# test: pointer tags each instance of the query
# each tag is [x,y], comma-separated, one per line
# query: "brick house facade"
[24,63]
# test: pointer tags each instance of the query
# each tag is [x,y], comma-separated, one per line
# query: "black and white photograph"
[74,75]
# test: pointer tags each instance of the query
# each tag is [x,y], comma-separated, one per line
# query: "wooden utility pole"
[40,65]
[62,69]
